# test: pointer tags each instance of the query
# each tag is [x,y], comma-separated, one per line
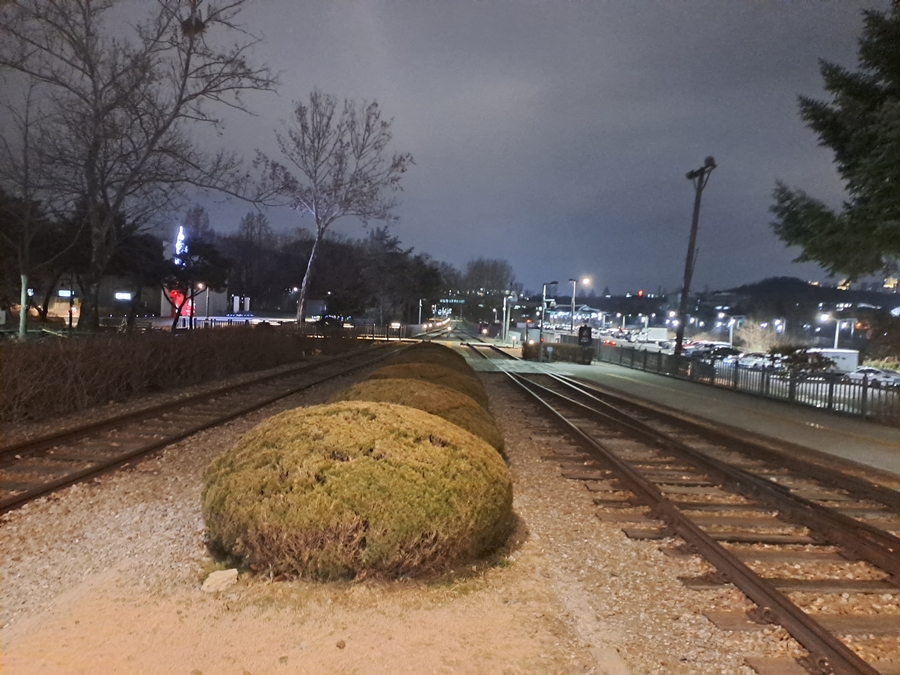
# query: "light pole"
[733,321]
[838,322]
[700,178]
[507,313]
[584,281]
[541,331]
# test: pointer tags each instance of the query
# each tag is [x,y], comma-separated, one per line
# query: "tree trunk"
[304,287]
[132,309]
[103,245]
[23,305]
[177,316]
[44,308]
[89,319]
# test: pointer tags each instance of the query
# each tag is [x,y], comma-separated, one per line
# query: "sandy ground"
[106,577]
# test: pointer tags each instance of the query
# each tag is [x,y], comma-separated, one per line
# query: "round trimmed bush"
[436,399]
[429,352]
[334,490]
[469,385]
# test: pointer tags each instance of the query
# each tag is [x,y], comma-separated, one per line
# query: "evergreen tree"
[861,125]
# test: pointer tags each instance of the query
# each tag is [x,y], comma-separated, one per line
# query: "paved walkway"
[854,439]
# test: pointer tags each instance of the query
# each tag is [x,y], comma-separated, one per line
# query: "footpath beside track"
[791,534]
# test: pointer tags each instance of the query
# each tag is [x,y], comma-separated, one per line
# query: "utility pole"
[700,178]
[585,281]
[543,309]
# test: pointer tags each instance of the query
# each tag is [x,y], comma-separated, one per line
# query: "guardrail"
[826,391]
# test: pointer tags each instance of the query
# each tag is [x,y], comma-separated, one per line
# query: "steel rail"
[829,654]
[15,501]
[857,486]
[857,538]
[42,442]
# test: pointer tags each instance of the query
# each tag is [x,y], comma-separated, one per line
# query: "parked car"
[760,361]
[713,353]
[874,376]
[700,348]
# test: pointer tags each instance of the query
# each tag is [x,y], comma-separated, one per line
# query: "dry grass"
[469,385]
[453,406]
[338,490]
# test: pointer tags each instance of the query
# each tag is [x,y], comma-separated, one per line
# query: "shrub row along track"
[39,466]
[751,511]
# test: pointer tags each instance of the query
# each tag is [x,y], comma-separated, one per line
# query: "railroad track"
[39,466]
[799,538]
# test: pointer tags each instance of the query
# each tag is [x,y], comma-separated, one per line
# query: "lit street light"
[513,298]
[541,331]
[584,281]
[838,322]
[700,178]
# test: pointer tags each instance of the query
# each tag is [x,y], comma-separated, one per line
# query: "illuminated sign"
[122,295]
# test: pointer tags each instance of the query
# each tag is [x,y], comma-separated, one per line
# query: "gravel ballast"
[106,577]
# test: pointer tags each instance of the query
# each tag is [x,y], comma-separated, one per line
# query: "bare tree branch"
[123,107]
[335,166]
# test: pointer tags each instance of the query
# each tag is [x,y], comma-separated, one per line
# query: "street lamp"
[838,322]
[541,331]
[700,178]
[513,298]
[584,281]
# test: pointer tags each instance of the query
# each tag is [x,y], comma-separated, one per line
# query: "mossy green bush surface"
[429,352]
[436,399]
[335,490]
[469,385]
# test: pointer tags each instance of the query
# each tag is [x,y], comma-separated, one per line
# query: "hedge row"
[392,478]
[356,488]
[50,377]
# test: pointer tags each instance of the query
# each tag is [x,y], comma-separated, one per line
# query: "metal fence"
[826,391]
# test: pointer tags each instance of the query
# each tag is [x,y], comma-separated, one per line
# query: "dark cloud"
[556,134]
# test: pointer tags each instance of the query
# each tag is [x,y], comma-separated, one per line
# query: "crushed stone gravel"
[588,598]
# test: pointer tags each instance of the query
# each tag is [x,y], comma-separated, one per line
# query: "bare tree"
[255,231]
[754,337]
[486,275]
[122,102]
[336,166]
[23,172]
[197,225]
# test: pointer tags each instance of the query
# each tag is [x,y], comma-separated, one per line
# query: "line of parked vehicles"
[845,362]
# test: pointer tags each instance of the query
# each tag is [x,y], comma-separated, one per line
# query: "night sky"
[556,135]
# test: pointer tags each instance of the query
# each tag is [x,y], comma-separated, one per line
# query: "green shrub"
[469,385]
[336,490]
[430,352]
[554,351]
[453,406]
